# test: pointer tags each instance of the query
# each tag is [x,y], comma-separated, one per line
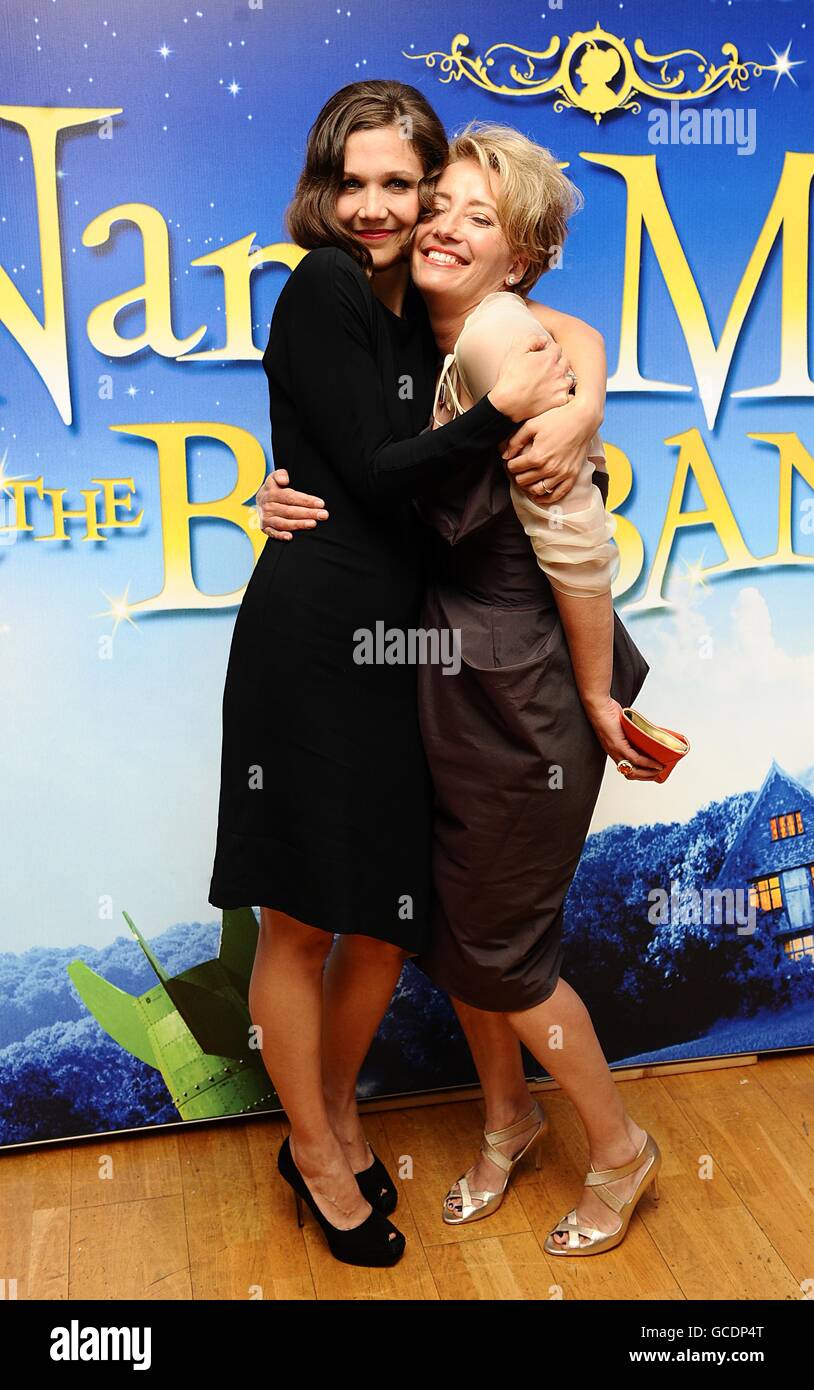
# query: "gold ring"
[624,766]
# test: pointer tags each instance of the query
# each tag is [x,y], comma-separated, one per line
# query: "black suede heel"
[377,1186]
[368,1244]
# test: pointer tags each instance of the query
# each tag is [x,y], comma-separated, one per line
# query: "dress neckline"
[406,320]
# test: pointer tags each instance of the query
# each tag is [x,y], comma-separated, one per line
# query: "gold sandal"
[606,1240]
[490,1201]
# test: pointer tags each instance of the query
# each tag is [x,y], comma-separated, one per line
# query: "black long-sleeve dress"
[325,808]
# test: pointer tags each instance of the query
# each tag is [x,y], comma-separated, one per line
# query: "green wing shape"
[119,1013]
[238,943]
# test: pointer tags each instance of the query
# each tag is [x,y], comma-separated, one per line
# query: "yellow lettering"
[177,511]
[646,208]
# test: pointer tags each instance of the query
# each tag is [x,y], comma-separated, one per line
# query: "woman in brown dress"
[517,739]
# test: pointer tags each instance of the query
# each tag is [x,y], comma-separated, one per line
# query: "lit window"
[765,893]
[799,947]
[784,826]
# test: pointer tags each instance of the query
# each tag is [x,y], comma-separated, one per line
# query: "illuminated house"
[773,855]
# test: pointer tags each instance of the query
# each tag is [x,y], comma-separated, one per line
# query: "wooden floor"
[202,1213]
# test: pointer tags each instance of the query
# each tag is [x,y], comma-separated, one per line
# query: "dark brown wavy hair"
[311,216]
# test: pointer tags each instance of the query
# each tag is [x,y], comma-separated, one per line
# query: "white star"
[131,391]
[233,88]
[165,51]
[119,611]
[5,479]
[782,65]
[694,572]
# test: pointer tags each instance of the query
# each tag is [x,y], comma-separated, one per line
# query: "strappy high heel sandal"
[377,1186]
[604,1240]
[489,1202]
[368,1244]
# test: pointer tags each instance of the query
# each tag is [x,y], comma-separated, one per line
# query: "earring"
[510,280]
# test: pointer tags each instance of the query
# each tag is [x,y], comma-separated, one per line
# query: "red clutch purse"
[664,745]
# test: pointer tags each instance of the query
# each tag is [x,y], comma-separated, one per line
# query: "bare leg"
[285,1001]
[559,1033]
[358,984]
[496,1053]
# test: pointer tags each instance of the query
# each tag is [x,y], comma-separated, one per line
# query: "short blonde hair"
[534,200]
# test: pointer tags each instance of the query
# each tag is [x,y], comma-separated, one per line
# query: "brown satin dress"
[515,763]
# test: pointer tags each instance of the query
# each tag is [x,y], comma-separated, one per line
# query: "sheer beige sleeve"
[572,539]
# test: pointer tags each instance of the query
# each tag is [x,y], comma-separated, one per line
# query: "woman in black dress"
[332,833]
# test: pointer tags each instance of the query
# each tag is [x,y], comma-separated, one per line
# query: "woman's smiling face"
[378,199]
[460,249]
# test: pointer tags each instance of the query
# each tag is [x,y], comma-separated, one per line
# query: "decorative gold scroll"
[596,73]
